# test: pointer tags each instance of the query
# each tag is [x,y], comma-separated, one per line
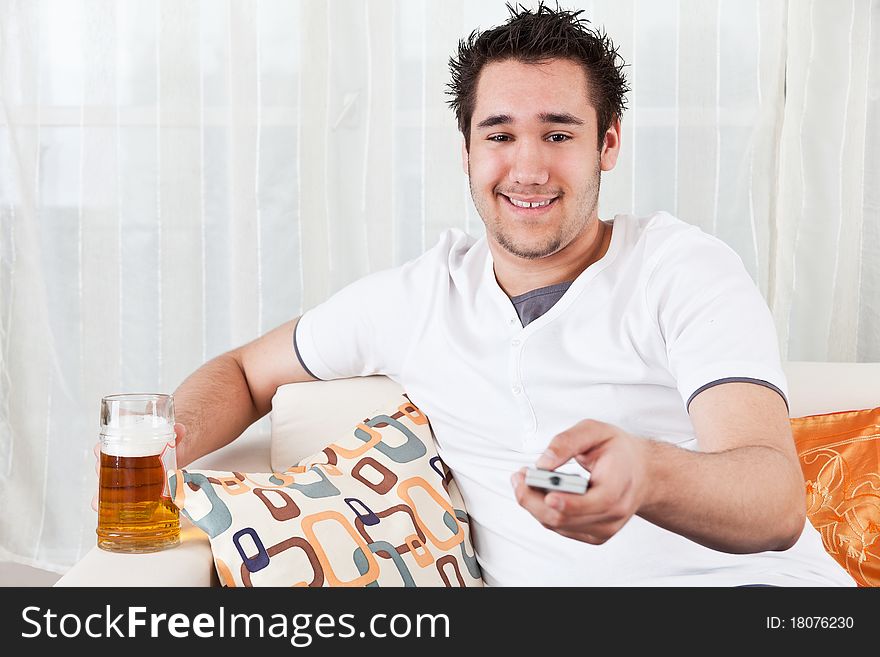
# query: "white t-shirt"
[665,312]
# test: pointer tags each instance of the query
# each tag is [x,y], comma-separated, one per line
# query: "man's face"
[533,164]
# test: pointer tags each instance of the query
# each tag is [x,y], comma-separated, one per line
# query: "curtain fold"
[179,177]
[826,277]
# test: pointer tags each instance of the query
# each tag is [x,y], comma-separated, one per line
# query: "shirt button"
[516,390]
[512,321]
[515,343]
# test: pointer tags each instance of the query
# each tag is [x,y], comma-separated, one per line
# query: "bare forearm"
[747,499]
[215,405]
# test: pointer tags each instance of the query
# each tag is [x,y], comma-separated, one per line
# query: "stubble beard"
[584,207]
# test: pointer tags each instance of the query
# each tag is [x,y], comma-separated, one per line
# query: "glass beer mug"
[135,511]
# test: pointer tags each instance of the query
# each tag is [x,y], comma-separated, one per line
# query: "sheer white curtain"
[178,177]
[825,284]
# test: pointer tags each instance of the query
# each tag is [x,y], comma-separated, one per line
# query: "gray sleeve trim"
[299,357]
[736,379]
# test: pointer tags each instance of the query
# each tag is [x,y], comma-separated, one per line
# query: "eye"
[498,138]
[558,138]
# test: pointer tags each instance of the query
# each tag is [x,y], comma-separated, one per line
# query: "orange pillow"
[840,456]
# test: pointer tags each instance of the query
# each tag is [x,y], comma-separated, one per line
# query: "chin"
[529,249]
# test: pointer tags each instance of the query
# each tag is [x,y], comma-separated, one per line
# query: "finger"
[593,528]
[95,502]
[590,517]
[576,512]
[179,437]
[533,501]
[179,444]
[604,523]
[605,502]
[523,492]
[582,437]
[578,505]
[562,514]
[558,501]
[581,536]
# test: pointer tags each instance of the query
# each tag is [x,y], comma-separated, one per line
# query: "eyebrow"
[546,117]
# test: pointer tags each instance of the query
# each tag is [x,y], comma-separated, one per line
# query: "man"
[637,349]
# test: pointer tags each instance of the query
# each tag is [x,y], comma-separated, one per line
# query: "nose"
[528,166]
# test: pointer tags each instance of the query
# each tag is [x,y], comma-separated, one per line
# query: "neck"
[517,275]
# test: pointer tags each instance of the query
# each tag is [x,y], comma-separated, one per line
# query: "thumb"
[180,445]
[580,438]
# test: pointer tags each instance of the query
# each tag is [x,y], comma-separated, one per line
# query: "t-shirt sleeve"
[359,331]
[716,325]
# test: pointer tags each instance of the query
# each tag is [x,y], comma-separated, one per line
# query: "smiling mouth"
[530,207]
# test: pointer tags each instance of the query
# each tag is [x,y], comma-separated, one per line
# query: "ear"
[610,146]
[464,156]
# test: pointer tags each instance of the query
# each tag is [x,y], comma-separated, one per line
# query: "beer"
[135,511]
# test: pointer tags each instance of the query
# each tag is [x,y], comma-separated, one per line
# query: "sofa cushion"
[840,456]
[306,416]
[855,386]
[376,507]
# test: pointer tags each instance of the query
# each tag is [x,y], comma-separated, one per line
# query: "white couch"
[318,412]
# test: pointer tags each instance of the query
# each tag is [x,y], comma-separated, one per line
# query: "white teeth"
[525,204]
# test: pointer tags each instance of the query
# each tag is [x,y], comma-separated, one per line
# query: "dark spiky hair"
[535,37]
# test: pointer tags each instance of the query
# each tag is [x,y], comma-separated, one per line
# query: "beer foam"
[133,448]
[134,435]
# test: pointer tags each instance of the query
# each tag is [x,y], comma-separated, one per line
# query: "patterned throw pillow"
[375,508]
[840,457]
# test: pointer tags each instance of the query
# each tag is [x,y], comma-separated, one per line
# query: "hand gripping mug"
[135,511]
